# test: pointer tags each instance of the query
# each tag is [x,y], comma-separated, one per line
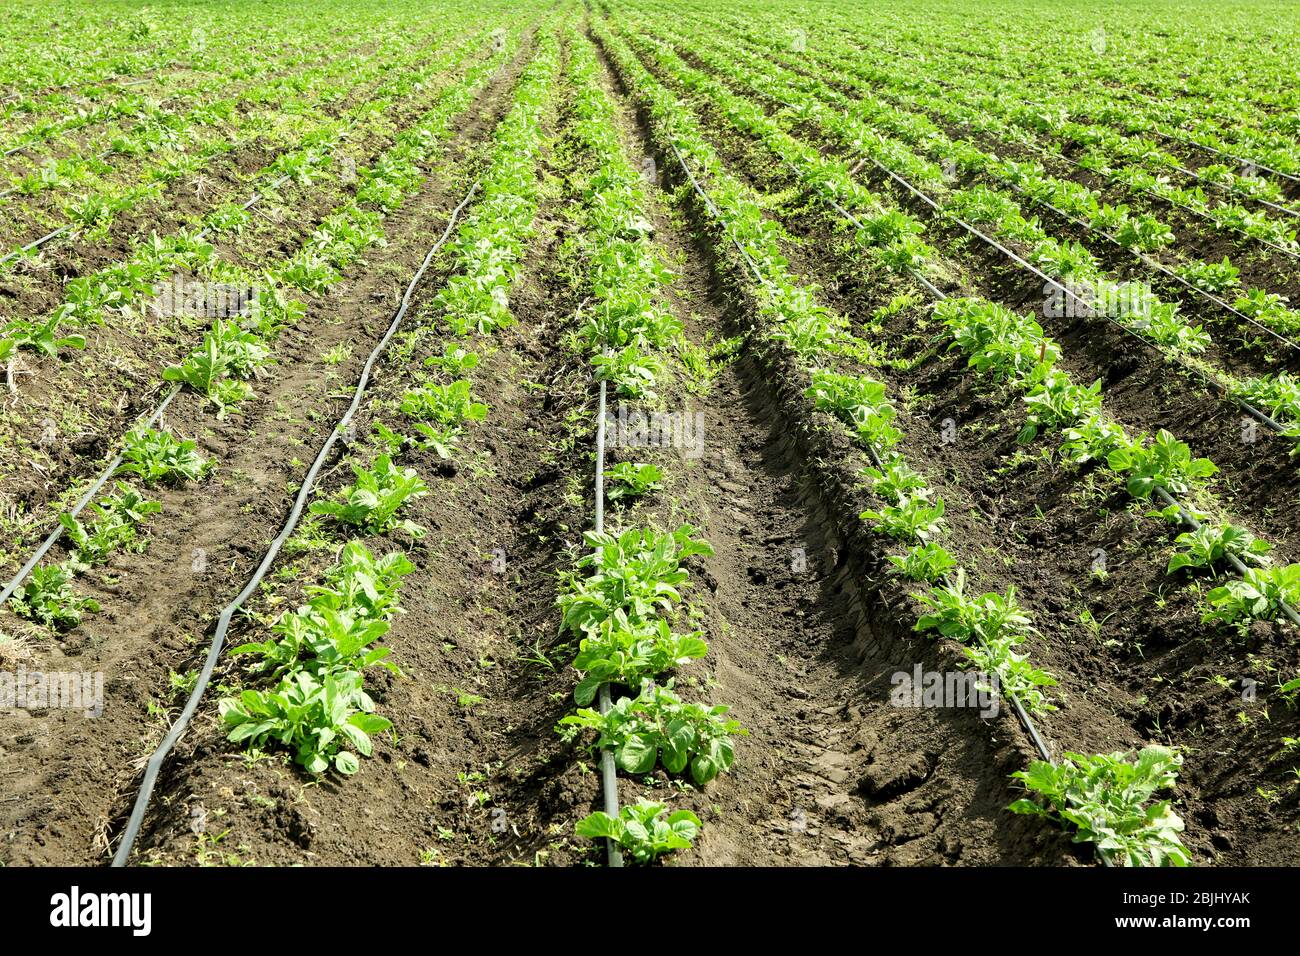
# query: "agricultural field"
[649,433]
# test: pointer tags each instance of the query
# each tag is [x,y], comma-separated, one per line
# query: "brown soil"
[1148,674]
[202,547]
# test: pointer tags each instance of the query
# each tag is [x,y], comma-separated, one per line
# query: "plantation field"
[650,432]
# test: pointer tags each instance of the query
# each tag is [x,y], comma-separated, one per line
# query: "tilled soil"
[1146,668]
[158,605]
[808,633]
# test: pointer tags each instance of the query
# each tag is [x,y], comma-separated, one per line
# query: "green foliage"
[156,456]
[1210,544]
[1259,595]
[645,831]
[46,596]
[113,526]
[1105,798]
[632,480]
[372,501]
[321,720]
[656,727]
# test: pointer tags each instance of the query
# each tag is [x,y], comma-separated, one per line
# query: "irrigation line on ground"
[155,762]
[85,499]
[1245,406]
[608,770]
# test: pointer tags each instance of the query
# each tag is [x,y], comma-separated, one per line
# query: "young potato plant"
[1165,463]
[1211,543]
[927,562]
[317,655]
[155,456]
[859,403]
[629,480]
[218,369]
[47,597]
[637,572]
[317,718]
[441,412]
[627,652]
[656,727]
[341,620]
[454,360]
[1259,595]
[116,517]
[911,520]
[645,831]
[962,618]
[371,503]
[1105,800]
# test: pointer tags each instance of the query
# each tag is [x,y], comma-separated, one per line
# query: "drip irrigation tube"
[1245,406]
[155,762]
[85,499]
[608,771]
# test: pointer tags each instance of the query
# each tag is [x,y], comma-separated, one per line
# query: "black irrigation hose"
[48,237]
[1021,714]
[608,770]
[107,473]
[1184,513]
[1245,406]
[155,761]
[85,499]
